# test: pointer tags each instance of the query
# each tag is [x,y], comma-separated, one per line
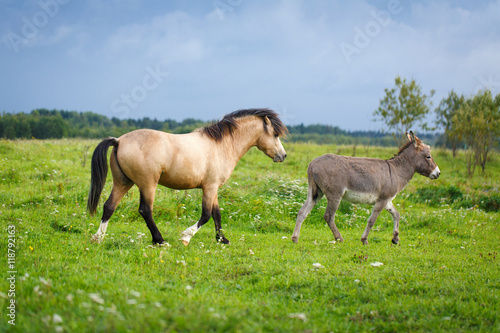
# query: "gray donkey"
[365,180]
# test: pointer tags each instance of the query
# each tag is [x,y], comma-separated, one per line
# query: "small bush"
[453,196]
[439,194]
[489,204]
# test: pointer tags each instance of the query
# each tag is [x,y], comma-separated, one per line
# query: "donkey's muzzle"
[435,173]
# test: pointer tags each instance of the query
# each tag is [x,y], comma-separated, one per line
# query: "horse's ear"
[267,121]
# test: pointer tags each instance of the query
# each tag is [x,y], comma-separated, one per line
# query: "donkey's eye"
[428,157]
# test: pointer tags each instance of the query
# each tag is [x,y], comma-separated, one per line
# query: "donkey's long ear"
[408,136]
[412,137]
[416,141]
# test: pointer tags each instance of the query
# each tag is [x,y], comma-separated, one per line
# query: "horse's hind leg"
[314,194]
[146,211]
[114,199]
[219,235]
[331,209]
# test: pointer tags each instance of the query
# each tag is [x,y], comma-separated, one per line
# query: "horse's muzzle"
[279,158]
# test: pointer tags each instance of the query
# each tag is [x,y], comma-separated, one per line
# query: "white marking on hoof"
[188,234]
[101,232]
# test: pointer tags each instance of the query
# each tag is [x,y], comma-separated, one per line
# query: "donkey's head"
[269,141]
[425,164]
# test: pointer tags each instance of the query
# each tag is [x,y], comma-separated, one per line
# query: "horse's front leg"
[207,211]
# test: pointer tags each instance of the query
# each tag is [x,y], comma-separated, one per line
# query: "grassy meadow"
[444,276]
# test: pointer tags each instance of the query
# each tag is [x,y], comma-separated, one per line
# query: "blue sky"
[314,61]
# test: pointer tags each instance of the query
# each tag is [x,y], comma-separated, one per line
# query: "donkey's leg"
[110,205]
[395,217]
[146,211]
[311,201]
[331,209]
[207,204]
[377,208]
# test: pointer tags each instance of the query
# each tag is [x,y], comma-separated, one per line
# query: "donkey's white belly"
[360,197]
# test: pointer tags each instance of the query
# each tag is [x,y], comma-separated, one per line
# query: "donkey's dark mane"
[402,149]
[218,130]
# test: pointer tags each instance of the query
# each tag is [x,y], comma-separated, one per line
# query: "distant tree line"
[56,124]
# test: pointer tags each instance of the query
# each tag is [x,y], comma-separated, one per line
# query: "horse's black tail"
[99,171]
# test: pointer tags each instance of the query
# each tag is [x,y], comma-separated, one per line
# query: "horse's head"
[269,142]
[425,164]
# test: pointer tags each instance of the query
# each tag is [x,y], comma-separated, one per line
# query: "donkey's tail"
[314,191]
[99,171]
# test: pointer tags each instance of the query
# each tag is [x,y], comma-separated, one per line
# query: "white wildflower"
[96,298]
[57,319]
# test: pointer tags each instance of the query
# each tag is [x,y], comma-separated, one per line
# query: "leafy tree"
[445,112]
[402,107]
[476,123]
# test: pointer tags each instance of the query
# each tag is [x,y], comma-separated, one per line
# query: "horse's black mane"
[218,130]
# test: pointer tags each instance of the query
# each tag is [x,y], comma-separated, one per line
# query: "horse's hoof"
[223,240]
[158,242]
[96,239]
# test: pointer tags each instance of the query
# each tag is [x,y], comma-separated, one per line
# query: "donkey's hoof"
[364,241]
[340,240]
[395,241]
[295,239]
[185,242]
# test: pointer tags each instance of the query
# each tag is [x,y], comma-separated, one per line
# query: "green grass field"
[444,276]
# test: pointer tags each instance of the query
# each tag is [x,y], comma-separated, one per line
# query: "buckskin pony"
[204,158]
